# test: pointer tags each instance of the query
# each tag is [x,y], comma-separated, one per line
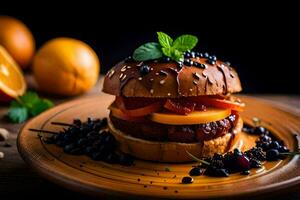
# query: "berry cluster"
[268,148]
[90,138]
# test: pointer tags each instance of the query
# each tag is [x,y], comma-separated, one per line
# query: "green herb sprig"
[26,106]
[166,46]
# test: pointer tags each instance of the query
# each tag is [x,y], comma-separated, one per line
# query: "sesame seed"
[162,82]
[128,67]
[204,74]
[232,75]
[169,94]
[151,91]
[121,75]
[156,73]
[191,89]
[140,64]
[151,79]
[123,78]
[123,69]
[111,73]
[151,68]
[195,82]
[140,78]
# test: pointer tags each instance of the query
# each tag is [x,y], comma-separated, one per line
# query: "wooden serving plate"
[150,179]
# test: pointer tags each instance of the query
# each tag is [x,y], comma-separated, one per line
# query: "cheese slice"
[195,117]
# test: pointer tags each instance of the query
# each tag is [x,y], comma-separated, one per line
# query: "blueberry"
[196,171]
[206,55]
[265,138]
[68,148]
[237,152]
[77,122]
[125,159]
[211,62]
[109,139]
[255,163]
[246,172]
[187,55]
[97,156]
[145,69]
[259,130]
[198,54]
[283,149]
[187,180]
[89,150]
[193,54]
[82,141]
[61,143]
[214,58]
[166,59]
[104,122]
[188,62]
[216,172]
[275,145]
[76,151]
[265,146]
[272,154]
[112,158]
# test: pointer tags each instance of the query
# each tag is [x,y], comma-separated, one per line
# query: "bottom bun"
[174,152]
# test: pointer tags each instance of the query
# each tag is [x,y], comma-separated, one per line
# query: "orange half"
[12,81]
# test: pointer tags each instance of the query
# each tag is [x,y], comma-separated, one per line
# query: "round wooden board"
[150,179]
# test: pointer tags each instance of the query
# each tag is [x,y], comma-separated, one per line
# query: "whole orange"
[17,39]
[65,66]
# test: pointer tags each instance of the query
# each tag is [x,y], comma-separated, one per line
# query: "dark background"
[261,41]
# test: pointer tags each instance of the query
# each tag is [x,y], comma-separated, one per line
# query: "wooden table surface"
[18,180]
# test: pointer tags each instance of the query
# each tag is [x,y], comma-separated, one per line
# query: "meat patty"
[153,131]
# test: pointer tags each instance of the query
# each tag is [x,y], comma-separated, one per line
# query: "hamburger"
[167,106]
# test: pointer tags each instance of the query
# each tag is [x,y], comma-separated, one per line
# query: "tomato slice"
[116,112]
[180,107]
[220,103]
[139,112]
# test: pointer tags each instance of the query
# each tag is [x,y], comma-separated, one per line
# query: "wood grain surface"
[17,179]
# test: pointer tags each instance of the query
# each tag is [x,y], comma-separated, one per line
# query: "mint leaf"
[29,99]
[17,113]
[167,51]
[177,55]
[185,42]
[148,51]
[26,106]
[164,40]
[41,106]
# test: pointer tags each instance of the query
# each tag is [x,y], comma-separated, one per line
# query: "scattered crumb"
[3,134]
